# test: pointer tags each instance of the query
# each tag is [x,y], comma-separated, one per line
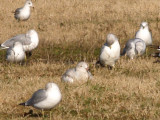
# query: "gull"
[29,41]
[15,53]
[45,99]
[157,47]
[134,47]
[23,13]
[110,51]
[157,54]
[80,72]
[144,34]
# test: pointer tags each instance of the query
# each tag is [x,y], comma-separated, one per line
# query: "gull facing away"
[23,13]
[134,47]
[144,34]
[45,99]
[110,51]
[80,72]
[29,41]
[15,53]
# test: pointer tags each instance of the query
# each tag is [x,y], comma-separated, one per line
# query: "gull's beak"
[33,7]
[143,27]
[110,47]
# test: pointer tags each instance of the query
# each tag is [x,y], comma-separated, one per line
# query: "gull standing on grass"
[29,41]
[45,99]
[15,53]
[134,47]
[144,34]
[23,13]
[80,72]
[110,51]
[157,54]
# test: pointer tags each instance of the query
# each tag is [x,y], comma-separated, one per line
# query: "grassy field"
[71,31]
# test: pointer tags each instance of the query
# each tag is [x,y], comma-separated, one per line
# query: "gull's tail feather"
[23,104]
[3,47]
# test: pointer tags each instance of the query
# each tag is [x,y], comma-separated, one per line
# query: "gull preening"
[110,51]
[29,41]
[144,34]
[80,72]
[23,13]
[134,47]
[15,53]
[45,99]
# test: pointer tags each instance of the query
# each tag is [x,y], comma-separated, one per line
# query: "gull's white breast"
[33,45]
[145,35]
[53,98]
[24,13]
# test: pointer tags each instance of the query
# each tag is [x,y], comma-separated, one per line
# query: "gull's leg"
[25,59]
[43,113]
[146,51]
[125,56]
[50,114]
[110,67]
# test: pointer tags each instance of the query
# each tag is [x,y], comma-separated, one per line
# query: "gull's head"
[29,3]
[31,33]
[51,86]
[111,38]
[144,25]
[82,65]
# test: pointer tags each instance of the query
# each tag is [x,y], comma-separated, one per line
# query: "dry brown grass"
[72,31]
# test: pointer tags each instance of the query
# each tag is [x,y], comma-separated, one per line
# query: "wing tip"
[98,63]
[23,104]
[3,47]
[155,55]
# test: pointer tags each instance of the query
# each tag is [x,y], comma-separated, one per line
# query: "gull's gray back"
[133,47]
[17,11]
[71,73]
[22,38]
[140,46]
[9,52]
[37,97]
[128,46]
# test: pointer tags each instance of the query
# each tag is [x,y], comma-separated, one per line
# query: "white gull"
[23,13]
[110,51]
[80,72]
[15,53]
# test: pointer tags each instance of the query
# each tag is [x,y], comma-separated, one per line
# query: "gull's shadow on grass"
[31,114]
[157,61]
